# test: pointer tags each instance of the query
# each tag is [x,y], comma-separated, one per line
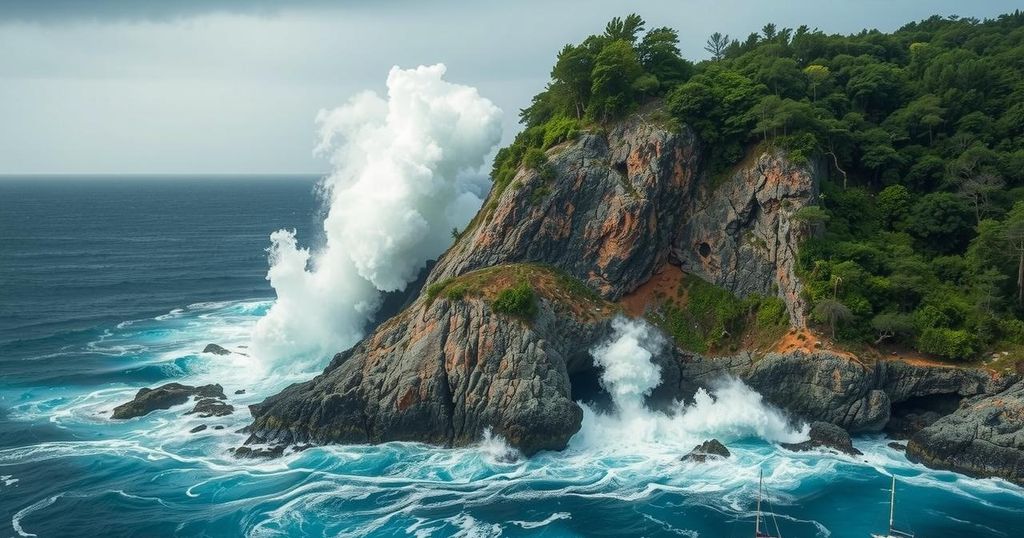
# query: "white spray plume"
[730,411]
[396,190]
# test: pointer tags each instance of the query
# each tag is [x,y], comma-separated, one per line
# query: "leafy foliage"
[518,301]
[919,231]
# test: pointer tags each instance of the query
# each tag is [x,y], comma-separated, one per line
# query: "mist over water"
[398,187]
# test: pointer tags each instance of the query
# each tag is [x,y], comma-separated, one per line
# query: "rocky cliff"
[449,368]
[607,213]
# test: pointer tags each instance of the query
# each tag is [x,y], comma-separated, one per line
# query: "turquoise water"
[110,285]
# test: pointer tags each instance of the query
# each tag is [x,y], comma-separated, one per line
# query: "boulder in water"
[198,428]
[711,448]
[828,435]
[210,407]
[216,350]
[166,396]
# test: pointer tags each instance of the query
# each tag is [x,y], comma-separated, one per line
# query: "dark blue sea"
[112,284]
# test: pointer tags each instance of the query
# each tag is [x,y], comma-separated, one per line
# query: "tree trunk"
[1020,275]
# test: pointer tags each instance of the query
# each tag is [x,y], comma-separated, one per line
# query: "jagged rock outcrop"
[166,396]
[826,387]
[742,234]
[612,208]
[710,449]
[984,438]
[447,370]
[825,435]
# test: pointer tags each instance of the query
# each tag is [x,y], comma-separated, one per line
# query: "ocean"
[112,284]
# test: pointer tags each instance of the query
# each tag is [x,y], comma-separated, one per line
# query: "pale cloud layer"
[183,87]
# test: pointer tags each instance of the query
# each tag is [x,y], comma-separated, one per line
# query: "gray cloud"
[231,87]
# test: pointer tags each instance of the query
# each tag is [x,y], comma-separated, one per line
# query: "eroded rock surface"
[444,372]
[984,437]
[608,216]
[742,234]
[826,387]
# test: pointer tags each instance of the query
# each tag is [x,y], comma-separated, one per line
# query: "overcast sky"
[210,86]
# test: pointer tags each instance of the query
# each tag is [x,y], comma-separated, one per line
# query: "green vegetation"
[703,317]
[518,300]
[514,289]
[919,233]
[597,81]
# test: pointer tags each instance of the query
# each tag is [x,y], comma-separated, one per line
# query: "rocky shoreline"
[610,212]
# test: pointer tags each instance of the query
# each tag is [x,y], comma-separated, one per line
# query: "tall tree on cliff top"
[716,45]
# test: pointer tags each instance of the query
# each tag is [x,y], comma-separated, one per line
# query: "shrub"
[560,129]
[772,313]
[456,292]
[535,159]
[948,343]
[518,301]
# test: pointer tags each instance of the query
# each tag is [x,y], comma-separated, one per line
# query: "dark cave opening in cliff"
[911,415]
[585,386]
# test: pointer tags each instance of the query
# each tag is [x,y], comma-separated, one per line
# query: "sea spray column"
[393,196]
[729,411]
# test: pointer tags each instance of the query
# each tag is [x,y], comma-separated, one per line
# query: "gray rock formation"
[164,397]
[984,437]
[825,435]
[826,387]
[444,373]
[712,448]
[215,350]
[211,407]
[611,209]
[742,235]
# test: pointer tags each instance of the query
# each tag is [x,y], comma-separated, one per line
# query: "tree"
[615,70]
[816,74]
[658,53]
[893,203]
[978,190]
[1013,228]
[716,45]
[571,75]
[888,325]
[941,221]
[831,312]
[625,29]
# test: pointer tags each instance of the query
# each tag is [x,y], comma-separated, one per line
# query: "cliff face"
[620,206]
[445,371]
[742,235]
[611,211]
[606,215]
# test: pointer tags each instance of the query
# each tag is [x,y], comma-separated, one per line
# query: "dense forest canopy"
[920,226]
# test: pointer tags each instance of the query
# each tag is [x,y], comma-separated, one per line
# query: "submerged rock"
[215,350]
[164,397]
[239,391]
[983,438]
[827,435]
[274,451]
[712,448]
[198,428]
[210,407]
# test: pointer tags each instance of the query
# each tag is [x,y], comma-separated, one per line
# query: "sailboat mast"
[757,518]
[892,502]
